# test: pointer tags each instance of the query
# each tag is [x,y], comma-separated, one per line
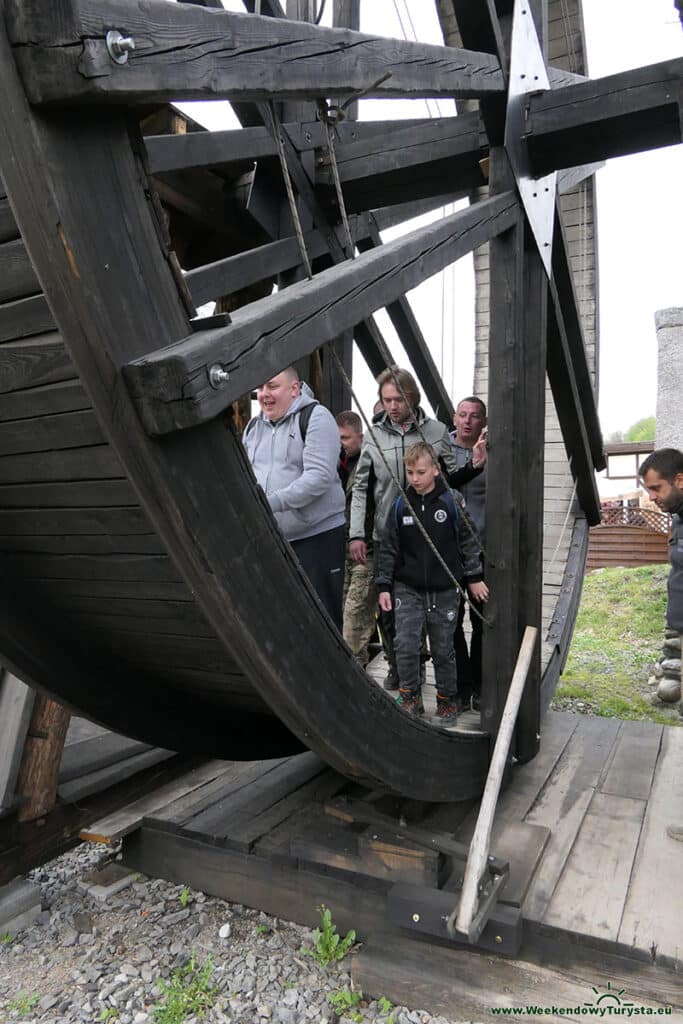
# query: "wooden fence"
[629,537]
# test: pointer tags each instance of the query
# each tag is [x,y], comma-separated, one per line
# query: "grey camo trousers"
[438,609]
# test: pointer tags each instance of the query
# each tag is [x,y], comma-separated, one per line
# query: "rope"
[277,129]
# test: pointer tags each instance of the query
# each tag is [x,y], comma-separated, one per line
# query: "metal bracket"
[528,74]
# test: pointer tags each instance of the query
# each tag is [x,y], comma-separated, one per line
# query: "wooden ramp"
[595,883]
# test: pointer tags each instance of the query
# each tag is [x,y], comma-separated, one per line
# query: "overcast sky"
[640,215]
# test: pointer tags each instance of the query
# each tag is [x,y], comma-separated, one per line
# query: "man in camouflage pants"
[360,593]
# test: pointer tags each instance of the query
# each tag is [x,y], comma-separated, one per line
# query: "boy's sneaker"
[411,703]
[390,681]
[446,711]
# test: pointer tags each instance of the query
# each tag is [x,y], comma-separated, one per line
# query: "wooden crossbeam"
[236,145]
[246,268]
[415,160]
[599,118]
[172,387]
[184,52]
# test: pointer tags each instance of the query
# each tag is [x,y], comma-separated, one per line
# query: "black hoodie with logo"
[404,554]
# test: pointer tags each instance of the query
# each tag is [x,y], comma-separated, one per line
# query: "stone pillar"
[669,429]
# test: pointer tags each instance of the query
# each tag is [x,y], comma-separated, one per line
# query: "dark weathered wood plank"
[71,464]
[564,801]
[629,112]
[33,361]
[81,544]
[24,317]
[115,567]
[17,276]
[64,396]
[563,294]
[569,408]
[95,752]
[235,272]
[102,778]
[650,923]
[415,161]
[8,225]
[67,494]
[48,433]
[186,52]
[632,767]
[120,823]
[46,521]
[239,145]
[16,704]
[505,473]
[589,898]
[171,387]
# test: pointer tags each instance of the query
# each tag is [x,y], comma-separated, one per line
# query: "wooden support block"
[37,781]
[385,854]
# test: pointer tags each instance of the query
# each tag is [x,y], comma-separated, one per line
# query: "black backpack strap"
[304,417]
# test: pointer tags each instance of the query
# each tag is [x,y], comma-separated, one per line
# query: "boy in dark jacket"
[423,592]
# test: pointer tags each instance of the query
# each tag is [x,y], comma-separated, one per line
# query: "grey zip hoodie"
[300,479]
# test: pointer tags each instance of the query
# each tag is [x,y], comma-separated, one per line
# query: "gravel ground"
[87,960]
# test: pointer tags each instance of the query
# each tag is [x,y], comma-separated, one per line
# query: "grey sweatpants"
[438,609]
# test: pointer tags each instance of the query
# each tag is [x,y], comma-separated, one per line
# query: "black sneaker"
[390,681]
[411,703]
[475,702]
[446,712]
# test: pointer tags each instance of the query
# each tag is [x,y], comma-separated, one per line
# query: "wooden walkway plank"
[651,920]
[563,802]
[245,830]
[102,778]
[590,895]
[120,823]
[89,755]
[213,798]
[632,767]
[16,704]
[276,780]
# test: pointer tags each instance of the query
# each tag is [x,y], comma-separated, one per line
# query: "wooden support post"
[37,782]
[506,457]
[462,917]
[531,441]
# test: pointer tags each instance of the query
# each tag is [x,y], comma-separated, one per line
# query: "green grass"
[189,993]
[617,638]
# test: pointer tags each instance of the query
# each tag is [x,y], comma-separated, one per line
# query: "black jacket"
[404,554]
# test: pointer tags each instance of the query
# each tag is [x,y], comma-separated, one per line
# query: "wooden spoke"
[187,52]
[592,120]
[172,388]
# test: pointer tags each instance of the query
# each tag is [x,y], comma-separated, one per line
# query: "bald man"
[293,446]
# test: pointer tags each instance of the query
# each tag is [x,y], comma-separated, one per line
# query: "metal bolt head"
[218,376]
[119,46]
[416,918]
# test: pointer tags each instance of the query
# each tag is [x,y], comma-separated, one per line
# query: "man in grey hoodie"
[293,446]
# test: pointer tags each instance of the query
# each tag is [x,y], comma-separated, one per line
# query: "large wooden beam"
[188,52]
[567,311]
[172,387]
[416,160]
[237,145]
[595,119]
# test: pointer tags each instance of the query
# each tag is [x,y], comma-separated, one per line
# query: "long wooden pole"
[461,918]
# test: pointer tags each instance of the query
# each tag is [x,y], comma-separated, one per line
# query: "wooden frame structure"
[130,515]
